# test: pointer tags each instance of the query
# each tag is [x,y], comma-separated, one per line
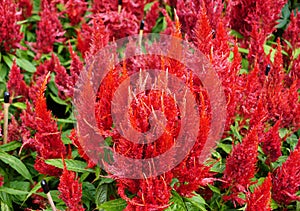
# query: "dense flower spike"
[75,9]
[81,151]
[48,142]
[92,37]
[241,167]
[251,19]
[70,190]
[49,29]
[10,35]
[151,17]
[16,85]
[14,131]
[260,199]
[1,180]
[26,7]
[271,143]
[286,179]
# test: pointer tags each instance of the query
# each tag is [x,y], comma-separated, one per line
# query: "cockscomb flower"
[151,17]
[120,25]
[63,81]
[14,131]
[10,35]
[260,199]
[286,180]
[271,143]
[73,136]
[92,37]
[75,10]
[70,190]
[26,7]
[16,85]
[47,140]
[1,180]
[49,29]
[241,167]
[242,15]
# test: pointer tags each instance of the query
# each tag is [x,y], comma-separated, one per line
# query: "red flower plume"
[16,85]
[260,199]
[47,140]
[10,35]
[70,190]
[241,167]
[286,179]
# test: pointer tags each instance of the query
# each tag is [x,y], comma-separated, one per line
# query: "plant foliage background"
[253,45]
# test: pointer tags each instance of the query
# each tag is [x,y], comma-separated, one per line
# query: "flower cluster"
[10,35]
[70,190]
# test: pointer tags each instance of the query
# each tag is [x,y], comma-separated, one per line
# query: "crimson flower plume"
[286,179]
[241,167]
[70,190]
[10,35]
[260,199]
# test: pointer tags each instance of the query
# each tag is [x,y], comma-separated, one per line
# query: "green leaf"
[72,165]
[273,204]
[177,202]
[101,194]
[106,180]
[148,6]
[70,121]
[10,146]
[4,207]
[16,164]
[292,141]
[214,189]
[13,191]
[244,50]
[25,65]
[58,100]
[198,201]
[226,147]
[296,53]
[32,191]
[236,34]
[19,105]
[8,61]
[113,205]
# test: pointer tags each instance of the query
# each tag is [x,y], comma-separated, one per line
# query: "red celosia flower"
[286,179]
[64,85]
[16,85]
[70,190]
[151,17]
[75,9]
[271,144]
[188,13]
[241,167]
[92,37]
[14,132]
[120,25]
[251,19]
[260,199]
[26,7]
[47,140]
[49,29]
[203,33]
[81,151]
[65,82]
[28,126]
[10,35]
[135,7]
[1,180]
[292,36]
